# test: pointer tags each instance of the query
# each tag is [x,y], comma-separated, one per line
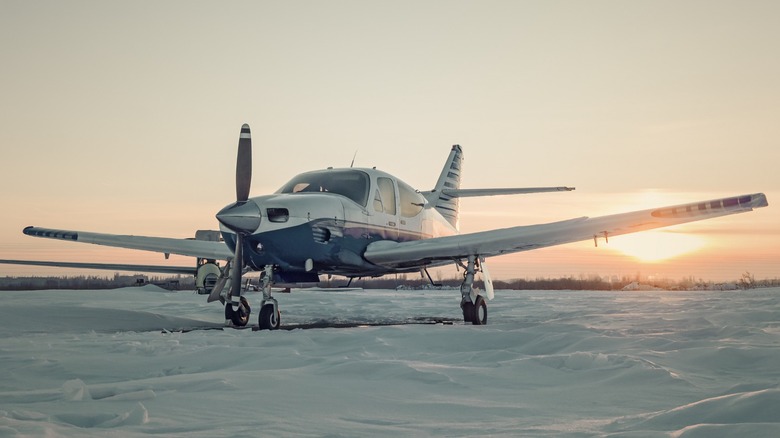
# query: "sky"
[123,117]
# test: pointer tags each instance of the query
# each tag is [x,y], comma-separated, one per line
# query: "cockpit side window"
[412,202]
[387,193]
[352,184]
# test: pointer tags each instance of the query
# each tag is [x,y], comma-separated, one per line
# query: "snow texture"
[578,364]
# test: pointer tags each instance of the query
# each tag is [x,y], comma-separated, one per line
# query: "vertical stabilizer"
[449,179]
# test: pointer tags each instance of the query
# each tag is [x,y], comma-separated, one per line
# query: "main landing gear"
[473,305]
[270,317]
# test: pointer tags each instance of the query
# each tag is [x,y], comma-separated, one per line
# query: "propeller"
[243,217]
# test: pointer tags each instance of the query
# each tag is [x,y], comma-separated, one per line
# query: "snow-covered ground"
[112,363]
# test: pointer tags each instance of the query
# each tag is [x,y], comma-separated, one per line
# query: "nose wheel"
[238,317]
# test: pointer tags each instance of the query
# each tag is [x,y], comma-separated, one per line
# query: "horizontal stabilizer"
[467,193]
[106,266]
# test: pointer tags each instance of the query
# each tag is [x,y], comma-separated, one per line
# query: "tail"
[448,206]
[445,196]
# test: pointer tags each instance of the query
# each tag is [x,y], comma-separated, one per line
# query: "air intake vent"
[320,235]
[277,214]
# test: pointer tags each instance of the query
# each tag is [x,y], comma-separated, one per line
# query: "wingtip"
[762,201]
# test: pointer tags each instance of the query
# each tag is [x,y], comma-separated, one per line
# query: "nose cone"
[241,217]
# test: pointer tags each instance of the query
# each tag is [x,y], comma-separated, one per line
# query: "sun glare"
[656,246]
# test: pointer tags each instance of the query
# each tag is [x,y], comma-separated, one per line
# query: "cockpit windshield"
[350,183]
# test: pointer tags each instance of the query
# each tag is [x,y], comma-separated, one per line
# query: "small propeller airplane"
[359,222]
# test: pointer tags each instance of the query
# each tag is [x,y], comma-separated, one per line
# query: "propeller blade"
[214,295]
[244,164]
[486,278]
[217,290]
[235,272]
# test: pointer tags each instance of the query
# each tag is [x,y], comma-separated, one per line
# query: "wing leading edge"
[185,247]
[524,238]
[106,266]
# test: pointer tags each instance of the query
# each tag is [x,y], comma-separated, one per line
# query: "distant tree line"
[581,282]
[83,282]
[591,282]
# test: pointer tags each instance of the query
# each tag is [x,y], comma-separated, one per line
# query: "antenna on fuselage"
[353,159]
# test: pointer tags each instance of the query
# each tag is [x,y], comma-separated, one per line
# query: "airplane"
[363,222]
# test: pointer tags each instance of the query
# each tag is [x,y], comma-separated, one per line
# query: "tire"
[268,319]
[239,318]
[468,311]
[480,311]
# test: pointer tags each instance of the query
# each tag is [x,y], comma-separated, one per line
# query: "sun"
[656,246]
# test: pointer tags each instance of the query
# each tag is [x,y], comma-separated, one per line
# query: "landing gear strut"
[270,317]
[473,305]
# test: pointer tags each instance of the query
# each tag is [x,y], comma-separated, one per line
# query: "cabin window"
[412,202]
[378,202]
[387,193]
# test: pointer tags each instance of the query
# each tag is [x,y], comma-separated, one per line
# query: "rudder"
[449,178]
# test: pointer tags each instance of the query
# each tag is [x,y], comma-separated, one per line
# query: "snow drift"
[651,363]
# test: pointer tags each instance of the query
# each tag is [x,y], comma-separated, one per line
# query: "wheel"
[269,318]
[468,311]
[238,318]
[480,311]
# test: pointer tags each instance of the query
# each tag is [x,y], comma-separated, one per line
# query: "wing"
[185,247]
[107,266]
[524,238]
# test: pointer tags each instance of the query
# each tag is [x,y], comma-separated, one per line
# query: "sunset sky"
[123,117]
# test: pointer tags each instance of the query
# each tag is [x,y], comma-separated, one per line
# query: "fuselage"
[321,222]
